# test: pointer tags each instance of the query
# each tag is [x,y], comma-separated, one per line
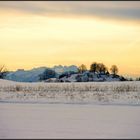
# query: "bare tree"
[114,69]
[101,68]
[3,71]
[98,67]
[82,68]
[93,67]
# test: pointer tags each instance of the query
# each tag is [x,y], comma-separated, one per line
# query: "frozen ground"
[69,110]
[68,121]
[125,93]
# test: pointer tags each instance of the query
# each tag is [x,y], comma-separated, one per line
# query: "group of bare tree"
[99,68]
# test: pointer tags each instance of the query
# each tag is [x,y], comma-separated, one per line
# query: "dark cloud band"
[116,9]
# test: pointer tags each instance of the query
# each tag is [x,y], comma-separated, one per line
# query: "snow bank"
[88,92]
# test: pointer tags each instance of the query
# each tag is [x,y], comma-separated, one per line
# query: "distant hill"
[25,75]
[33,75]
[62,69]
[63,74]
[88,77]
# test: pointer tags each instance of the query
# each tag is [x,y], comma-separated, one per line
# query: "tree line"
[98,68]
[49,73]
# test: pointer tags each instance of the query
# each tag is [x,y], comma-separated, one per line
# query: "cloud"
[108,9]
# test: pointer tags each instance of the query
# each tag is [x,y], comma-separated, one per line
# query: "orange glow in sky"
[49,38]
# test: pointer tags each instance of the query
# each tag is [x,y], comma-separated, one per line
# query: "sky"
[48,33]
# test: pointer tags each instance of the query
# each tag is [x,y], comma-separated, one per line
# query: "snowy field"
[69,110]
[82,93]
[68,121]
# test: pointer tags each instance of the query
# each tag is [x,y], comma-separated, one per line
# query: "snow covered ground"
[83,93]
[68,121]
[69,110]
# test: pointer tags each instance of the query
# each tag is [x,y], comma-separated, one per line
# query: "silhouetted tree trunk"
[3,71]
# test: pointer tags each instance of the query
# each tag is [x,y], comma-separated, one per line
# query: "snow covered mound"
[33,74]
[25,76]
[81,92]
[62,69]
[89,77]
